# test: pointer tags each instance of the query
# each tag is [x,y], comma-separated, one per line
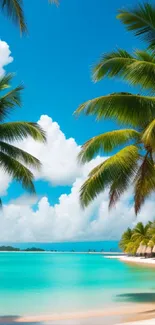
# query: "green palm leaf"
[18,171]
[125,162]
[126,108]
[13,159]
[107,142]
[5,81]
[131,248]
[144,182]
[14,9]
[126,238]
[19,154]
[137,70]
[112,64]
[20,130]
[140,232]
[141,21]
[149,136]
[10,100]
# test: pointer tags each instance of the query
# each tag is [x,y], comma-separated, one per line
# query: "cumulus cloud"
[58,156]
[5,56]
[66,220]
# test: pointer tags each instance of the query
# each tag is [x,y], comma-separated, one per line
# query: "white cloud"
[65,221]
[5,56]
[58,156]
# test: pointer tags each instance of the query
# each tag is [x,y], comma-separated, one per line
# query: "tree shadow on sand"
[12,320]
[142,297]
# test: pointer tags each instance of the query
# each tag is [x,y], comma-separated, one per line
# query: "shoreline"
[130,314]
[135,260]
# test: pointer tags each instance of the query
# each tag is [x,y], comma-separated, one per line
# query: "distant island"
[14,249]
[37,249]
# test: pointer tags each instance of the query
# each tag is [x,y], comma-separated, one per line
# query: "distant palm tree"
[14,9]
[126,239]
[140,237]
[134,164]
[13,160]
[141,234]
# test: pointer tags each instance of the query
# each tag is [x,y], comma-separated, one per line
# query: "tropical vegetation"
[13,160]
[14,10]
[137,240]
[133,164]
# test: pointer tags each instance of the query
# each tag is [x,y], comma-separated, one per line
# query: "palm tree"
[13,160]
[14,9]
[141,234]
[134,164]
[141,237]
[126,239]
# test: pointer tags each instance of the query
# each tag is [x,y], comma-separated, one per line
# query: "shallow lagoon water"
[45,283]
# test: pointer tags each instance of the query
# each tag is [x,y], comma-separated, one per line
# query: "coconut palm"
[14,9]
[126,239]
[139,240]
[134,163]
[131,248]
[140,233]
[13,160]
[151,231]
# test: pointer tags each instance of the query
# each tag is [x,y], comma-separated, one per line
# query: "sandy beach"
[134,259]
[125,314]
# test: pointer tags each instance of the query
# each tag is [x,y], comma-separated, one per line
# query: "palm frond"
[14,9]
[12,131]
[131,247]
[112,64]
[19,154]
[120,185]
[125,239]
[144,182]
[142,71]
[140,233]
[125,162]
[126,108]
[5,81]
[18,171]
[140,20]
[148,136]
[107,142]
[9,101]
[137,70]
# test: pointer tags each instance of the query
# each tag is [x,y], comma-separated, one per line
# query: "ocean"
[45,283]
[106,246]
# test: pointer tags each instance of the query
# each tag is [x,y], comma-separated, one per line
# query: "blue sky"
[54,62]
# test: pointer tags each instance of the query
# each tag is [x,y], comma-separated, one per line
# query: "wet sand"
[122,315]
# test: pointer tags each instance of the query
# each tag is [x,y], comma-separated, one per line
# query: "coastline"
[129,314]
[135,260]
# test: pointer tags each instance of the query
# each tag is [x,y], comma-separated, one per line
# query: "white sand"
[133,259]
[141,260]
[142,322]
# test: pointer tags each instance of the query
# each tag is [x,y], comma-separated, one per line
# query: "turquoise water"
[69,246]
[43,283]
